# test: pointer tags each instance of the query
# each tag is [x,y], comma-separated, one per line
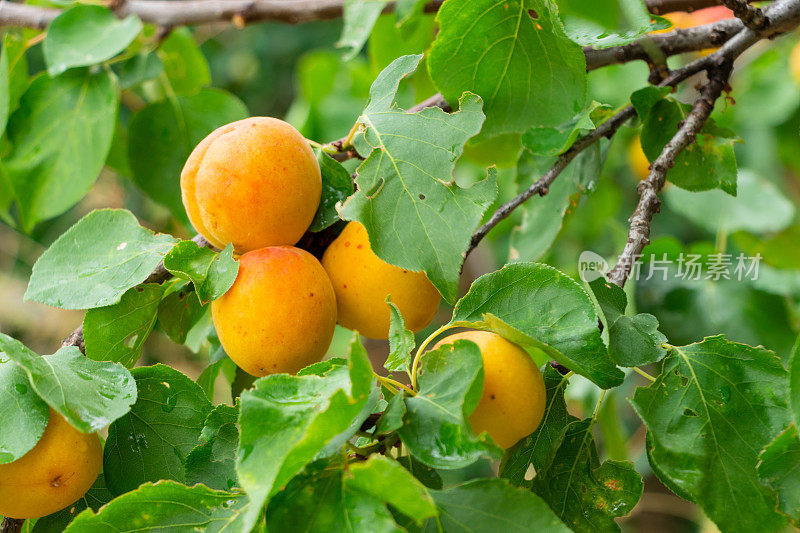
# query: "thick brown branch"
[752,16]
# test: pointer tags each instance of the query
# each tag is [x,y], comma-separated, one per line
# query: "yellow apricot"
[794,63]
[53,474]
[512,404]
[363,281]
[637,160]
[280,313]
[254,183]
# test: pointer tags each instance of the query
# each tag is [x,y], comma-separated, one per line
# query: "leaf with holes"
[117,332]
[516,56]
[416,216]
[587,495]
[712,409]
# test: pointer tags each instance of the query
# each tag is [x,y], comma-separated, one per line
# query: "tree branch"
[649,203]
[752,16]
[782,16]
[168,13]
[11,525]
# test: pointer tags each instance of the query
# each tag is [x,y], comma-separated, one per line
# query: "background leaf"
[54,163]
[86,35]
[94,262]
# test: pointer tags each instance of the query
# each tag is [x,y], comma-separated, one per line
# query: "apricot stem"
[421,349]
[395,384]
[643,373]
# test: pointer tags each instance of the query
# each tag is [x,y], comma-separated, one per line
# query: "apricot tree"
[452,179]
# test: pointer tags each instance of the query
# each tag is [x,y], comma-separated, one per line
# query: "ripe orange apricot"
[280,313]
[254,183]
[512,404]
[794,63]
[53,474]
[637,160]
[363,281]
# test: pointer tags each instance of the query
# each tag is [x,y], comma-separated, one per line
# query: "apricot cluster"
[256,184]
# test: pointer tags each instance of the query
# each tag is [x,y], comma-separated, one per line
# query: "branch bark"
[169,13]
[752,16]
[11,525]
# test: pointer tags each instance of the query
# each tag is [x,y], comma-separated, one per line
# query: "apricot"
[363,281]
[254,183]
[512,404]
[794,63]
[637,160]
[53,474]
[280,313]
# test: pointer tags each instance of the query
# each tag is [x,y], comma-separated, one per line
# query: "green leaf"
[425,474]
[166,505]
[392,417]
[543,221]
[135,70]
[213,461]
[179,312]
[644,99]
[86,35]
[287,420]
[184,65]
[97,496]
[516,56]
[117,332]
[709,163]
[162,427]
[89,394]
[163,134]
[486,504]
[759,207]
[417,218]
[337,185]
[538,449]
[23,414]
[544,308]
[794,381]
[587,495]
[13,76]
[715,405]
[94,262]
[384,478]
[551,141]
[212,273]
[435,426]
[54,163]
[401,342]
[608,22]
[632,340]
[358,19]
[779,469]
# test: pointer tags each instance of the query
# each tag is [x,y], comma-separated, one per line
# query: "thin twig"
[782,15]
